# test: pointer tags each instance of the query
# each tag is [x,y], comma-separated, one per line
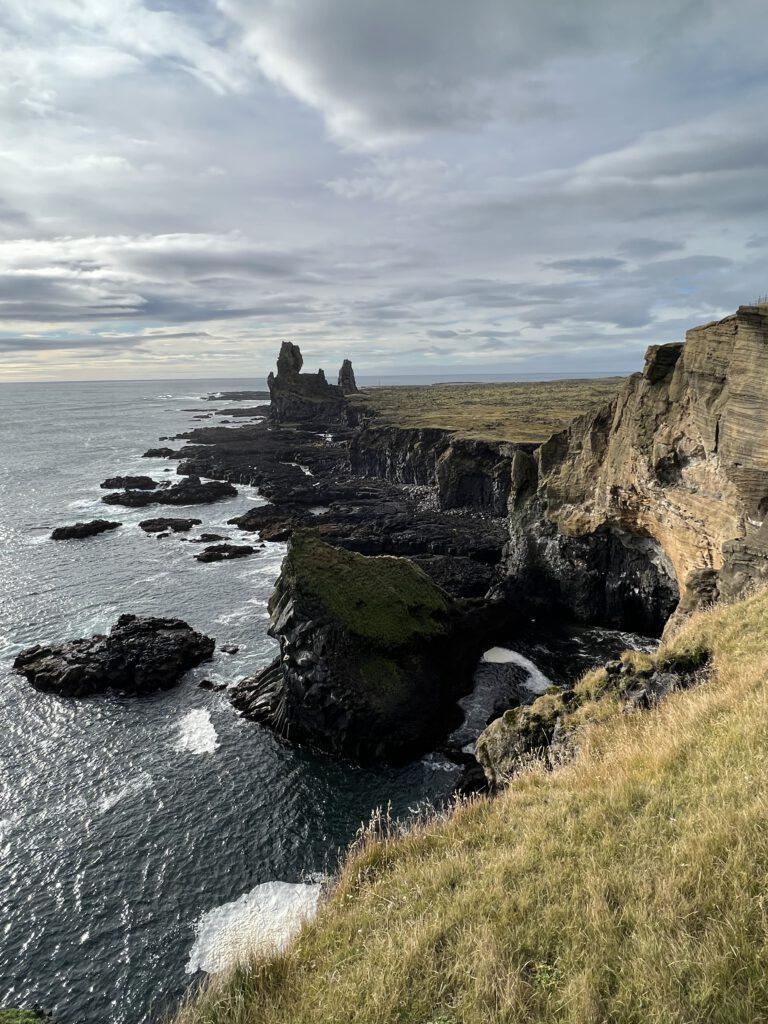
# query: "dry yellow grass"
[523,412]
[628,886]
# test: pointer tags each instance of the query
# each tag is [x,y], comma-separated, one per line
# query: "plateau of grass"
[626,886]
[522,412]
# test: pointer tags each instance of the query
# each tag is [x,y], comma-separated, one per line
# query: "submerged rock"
[224,552]
[80,530]
[372,654]
[189,491]
[139,655]
[174,525]
[135,483]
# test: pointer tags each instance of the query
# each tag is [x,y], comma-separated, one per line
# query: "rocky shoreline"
[641,509]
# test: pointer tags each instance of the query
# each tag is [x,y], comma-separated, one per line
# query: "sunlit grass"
[628,885]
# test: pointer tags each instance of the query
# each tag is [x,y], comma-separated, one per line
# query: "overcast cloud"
[496,185]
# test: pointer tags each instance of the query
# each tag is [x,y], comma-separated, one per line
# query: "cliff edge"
[659,494]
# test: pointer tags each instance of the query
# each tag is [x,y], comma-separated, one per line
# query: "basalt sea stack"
[371,660]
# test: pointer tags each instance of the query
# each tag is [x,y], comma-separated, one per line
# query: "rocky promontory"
[189,491]
[139,655]
[372,654]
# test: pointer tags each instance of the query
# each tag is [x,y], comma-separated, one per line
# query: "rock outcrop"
[370,661]
[78,531]
[224,552]
[550,726]
[347,381]
[297,397]
[163,523]
[189,491]
[140,655]
[134,483]
[660,494]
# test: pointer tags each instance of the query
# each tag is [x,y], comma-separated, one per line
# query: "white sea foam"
[264,919]
[131,788]
[197,733]
[537,682]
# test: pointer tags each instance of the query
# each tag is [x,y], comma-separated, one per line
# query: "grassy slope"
[523,412]
[628,886]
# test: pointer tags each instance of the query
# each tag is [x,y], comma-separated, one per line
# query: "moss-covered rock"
[636,680]
[11,1016]
[372,654]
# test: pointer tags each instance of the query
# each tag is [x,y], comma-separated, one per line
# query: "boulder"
[372,655]
[224,552]
[189,491]
[77,531]
[139,655]
[162,523]
[134,483]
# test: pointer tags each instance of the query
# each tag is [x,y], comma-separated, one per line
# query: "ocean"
[129,825]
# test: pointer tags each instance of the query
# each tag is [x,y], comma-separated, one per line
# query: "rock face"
[80,530]
[369,663]
[347,378]
[660,494]
[189,491]
[140,655]
[298,397]
[135,483]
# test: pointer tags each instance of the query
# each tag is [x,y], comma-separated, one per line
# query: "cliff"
[661,493]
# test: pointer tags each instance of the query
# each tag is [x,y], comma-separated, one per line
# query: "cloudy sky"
[498,185]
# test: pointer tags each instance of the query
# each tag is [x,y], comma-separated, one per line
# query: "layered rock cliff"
[658,495]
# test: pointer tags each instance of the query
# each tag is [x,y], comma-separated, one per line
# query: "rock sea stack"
[139,655]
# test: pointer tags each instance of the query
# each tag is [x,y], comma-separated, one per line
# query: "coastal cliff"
[659,494]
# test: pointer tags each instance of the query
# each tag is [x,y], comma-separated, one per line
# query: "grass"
[626,887]
[521,412]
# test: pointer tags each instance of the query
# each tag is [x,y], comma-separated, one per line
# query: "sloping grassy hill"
[628,886]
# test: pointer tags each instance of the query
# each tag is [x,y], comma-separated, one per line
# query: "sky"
[421,185]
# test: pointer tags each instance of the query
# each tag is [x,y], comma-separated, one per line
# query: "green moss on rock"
[11,1016]
[387,601]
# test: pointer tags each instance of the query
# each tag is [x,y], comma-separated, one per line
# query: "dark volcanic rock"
[223,552]
[80,530]
[190,491]
[160,453]
[297,397]
[174,525]
[140,655]
[134,483]
[347,378]
[372,655]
